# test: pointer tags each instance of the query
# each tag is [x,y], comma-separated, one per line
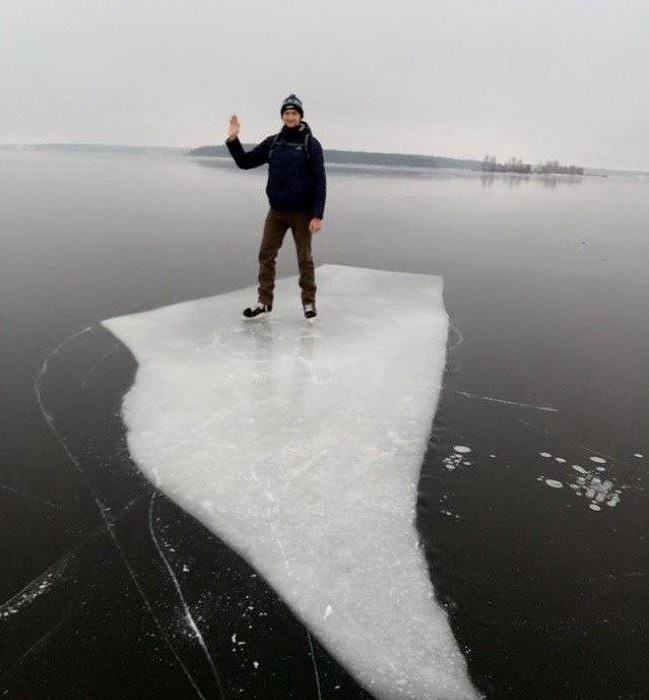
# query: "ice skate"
[259,310]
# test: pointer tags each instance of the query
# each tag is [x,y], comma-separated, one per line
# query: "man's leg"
[302,237]
[275,227]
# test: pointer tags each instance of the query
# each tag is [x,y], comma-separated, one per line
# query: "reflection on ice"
[300,446]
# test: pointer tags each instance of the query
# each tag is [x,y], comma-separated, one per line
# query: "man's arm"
[320,179]
[251,159]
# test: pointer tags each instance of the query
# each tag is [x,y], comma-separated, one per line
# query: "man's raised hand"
[234,128]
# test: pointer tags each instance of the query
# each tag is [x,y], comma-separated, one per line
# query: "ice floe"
[300,446]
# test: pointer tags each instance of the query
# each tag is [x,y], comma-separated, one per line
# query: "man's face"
[291,117]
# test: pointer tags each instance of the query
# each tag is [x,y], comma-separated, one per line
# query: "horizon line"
[396,153]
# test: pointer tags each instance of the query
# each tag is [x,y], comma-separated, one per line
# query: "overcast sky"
[535,79]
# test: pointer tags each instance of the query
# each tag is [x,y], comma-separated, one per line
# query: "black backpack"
[276,138]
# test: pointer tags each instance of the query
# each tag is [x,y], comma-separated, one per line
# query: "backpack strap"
[272,145]
[306,146]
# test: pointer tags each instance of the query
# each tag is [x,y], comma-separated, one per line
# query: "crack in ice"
[315,665]
[188,614]
[493,399]
[103,509]
[29,497]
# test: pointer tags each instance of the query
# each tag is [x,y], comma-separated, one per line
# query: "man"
[296,192]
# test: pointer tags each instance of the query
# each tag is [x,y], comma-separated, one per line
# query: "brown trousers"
[275,227]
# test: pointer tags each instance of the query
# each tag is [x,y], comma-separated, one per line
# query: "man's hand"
[315,225]
[234,128]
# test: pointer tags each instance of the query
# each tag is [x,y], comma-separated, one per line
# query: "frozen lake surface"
[530,460]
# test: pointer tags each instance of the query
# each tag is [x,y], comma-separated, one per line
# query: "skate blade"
[255,318]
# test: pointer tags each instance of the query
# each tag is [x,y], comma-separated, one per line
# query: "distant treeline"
[516,165]
[335,156]
[403,160]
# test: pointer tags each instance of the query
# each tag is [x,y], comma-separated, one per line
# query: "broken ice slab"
[300,444]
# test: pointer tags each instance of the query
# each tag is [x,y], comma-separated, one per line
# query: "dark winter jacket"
[295,183]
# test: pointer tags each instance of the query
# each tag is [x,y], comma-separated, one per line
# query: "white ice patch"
[300,445]
[456,458]
[554,483]
[597,491]
[591,484]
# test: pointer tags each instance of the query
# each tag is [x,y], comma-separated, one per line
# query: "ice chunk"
[307,441]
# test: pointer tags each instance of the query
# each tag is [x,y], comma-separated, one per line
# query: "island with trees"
[516,165]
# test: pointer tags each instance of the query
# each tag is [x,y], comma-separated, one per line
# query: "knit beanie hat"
[294,102]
